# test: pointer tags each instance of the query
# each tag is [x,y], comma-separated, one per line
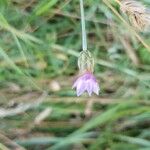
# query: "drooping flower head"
[86,82]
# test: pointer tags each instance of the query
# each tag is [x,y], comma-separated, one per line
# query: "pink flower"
[86,82]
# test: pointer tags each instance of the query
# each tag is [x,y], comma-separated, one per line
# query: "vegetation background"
[40,41]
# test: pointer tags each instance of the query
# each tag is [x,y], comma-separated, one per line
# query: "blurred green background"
[40,41]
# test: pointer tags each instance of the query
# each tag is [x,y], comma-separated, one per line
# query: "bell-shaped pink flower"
[86,82]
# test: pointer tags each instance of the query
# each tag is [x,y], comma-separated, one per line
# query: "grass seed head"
[138,14]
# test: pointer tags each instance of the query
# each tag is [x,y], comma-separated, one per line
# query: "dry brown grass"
[138,14]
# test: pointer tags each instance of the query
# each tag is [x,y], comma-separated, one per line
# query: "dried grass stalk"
[139,15]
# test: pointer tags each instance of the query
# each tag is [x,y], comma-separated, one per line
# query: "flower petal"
[96,89]
[80,88]
[75,84]
[89,87]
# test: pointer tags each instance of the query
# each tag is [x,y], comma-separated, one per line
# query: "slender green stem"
[84,41]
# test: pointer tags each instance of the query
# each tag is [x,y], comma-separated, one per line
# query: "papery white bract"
[85,61]
[86,82]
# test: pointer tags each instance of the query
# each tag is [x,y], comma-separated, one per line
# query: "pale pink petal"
[76,83]
[81,89]
[96,89]
[89,88]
